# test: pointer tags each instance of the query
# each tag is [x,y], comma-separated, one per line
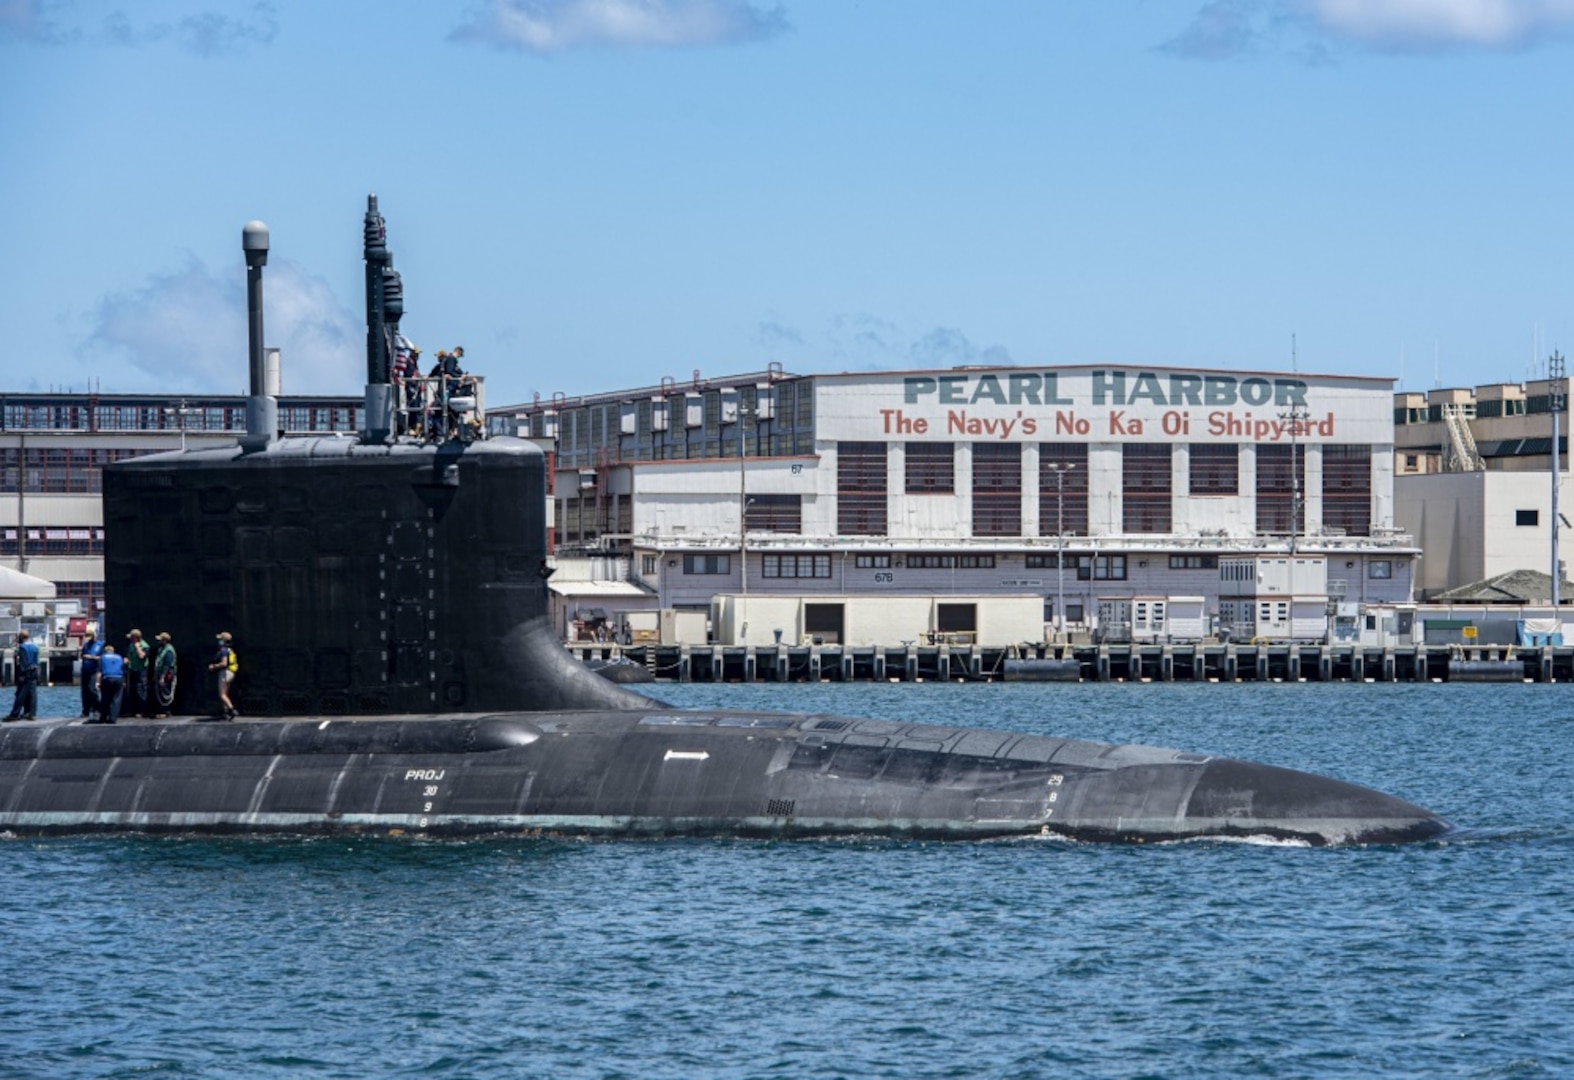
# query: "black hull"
[660,773]
[389,607]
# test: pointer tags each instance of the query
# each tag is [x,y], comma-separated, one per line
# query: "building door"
[1114,620]
[822,623]
[1405,627]
[960,621]
[1147,620]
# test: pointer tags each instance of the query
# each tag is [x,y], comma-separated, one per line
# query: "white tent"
[15,585]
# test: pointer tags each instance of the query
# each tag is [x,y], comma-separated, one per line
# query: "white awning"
[596,589]
[15,585]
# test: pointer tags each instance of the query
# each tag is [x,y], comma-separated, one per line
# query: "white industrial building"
[899,505]
[1474,482]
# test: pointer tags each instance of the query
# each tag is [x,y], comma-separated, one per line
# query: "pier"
[1202,662]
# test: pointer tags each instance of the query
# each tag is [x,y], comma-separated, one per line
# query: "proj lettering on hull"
[1109,405]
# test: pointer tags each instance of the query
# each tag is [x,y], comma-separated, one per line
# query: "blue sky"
[593,194]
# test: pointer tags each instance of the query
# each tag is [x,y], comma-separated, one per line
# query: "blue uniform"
[111,678]
[90,654]
[25,705]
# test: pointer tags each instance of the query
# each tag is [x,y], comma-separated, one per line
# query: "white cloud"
[21,15]
[186,330]
[31,20]
[1223,29]
[545,27]
[946,346]
[1227,29]
[1443,23]
[203,32]
[868,342]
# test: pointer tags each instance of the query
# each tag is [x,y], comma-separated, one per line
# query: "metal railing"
[437,408]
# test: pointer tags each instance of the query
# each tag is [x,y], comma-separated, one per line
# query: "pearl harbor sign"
[1103,404]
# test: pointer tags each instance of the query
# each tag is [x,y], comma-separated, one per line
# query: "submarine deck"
[659,771]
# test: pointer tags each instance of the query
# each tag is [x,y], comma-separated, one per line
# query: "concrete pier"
[1106,662]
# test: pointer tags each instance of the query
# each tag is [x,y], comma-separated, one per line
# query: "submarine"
[399,675]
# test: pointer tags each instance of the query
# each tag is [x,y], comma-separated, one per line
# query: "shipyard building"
[53,448]
[977,504]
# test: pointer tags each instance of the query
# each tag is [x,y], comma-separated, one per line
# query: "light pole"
[1557,389]
[743,523]
[181,411]
[1059,473]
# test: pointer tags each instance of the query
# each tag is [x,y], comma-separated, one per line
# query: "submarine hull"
[662,772]
[388,603]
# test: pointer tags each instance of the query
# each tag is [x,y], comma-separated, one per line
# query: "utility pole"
[1557,397]
[1295,417]
[1059,473]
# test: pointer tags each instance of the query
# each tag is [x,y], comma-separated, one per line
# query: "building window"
[1101,567]
[647,565]
[1527,517]
[1074,611]
[1380,568]
[1412,462]
[1238,570]
[59,471]
[1047,562]
[872,562]
[90,594]
[707,564]
[860,488]
[1347,489]
[975,562]
[1276,510]
[774,513]
[1215,469]
[42,542]
[1146,472]
[997,489]
[931,468]
[931,562]
[795,566]
[1194,562]
[1062,489]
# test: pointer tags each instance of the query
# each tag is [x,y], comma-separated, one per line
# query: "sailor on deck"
[408,390]
[111,680]
[25,705]
[92,649]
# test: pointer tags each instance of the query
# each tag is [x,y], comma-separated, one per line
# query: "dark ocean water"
[513,958]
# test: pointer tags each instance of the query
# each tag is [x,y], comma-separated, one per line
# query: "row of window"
[1146,478]
[1100,567]
[58,471]
[45,542]
[172,416]
[681,425]
[1147,485]
[795,566]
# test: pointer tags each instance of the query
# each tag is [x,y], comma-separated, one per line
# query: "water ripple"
[352,957]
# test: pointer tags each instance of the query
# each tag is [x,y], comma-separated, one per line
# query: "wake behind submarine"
[399,674]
